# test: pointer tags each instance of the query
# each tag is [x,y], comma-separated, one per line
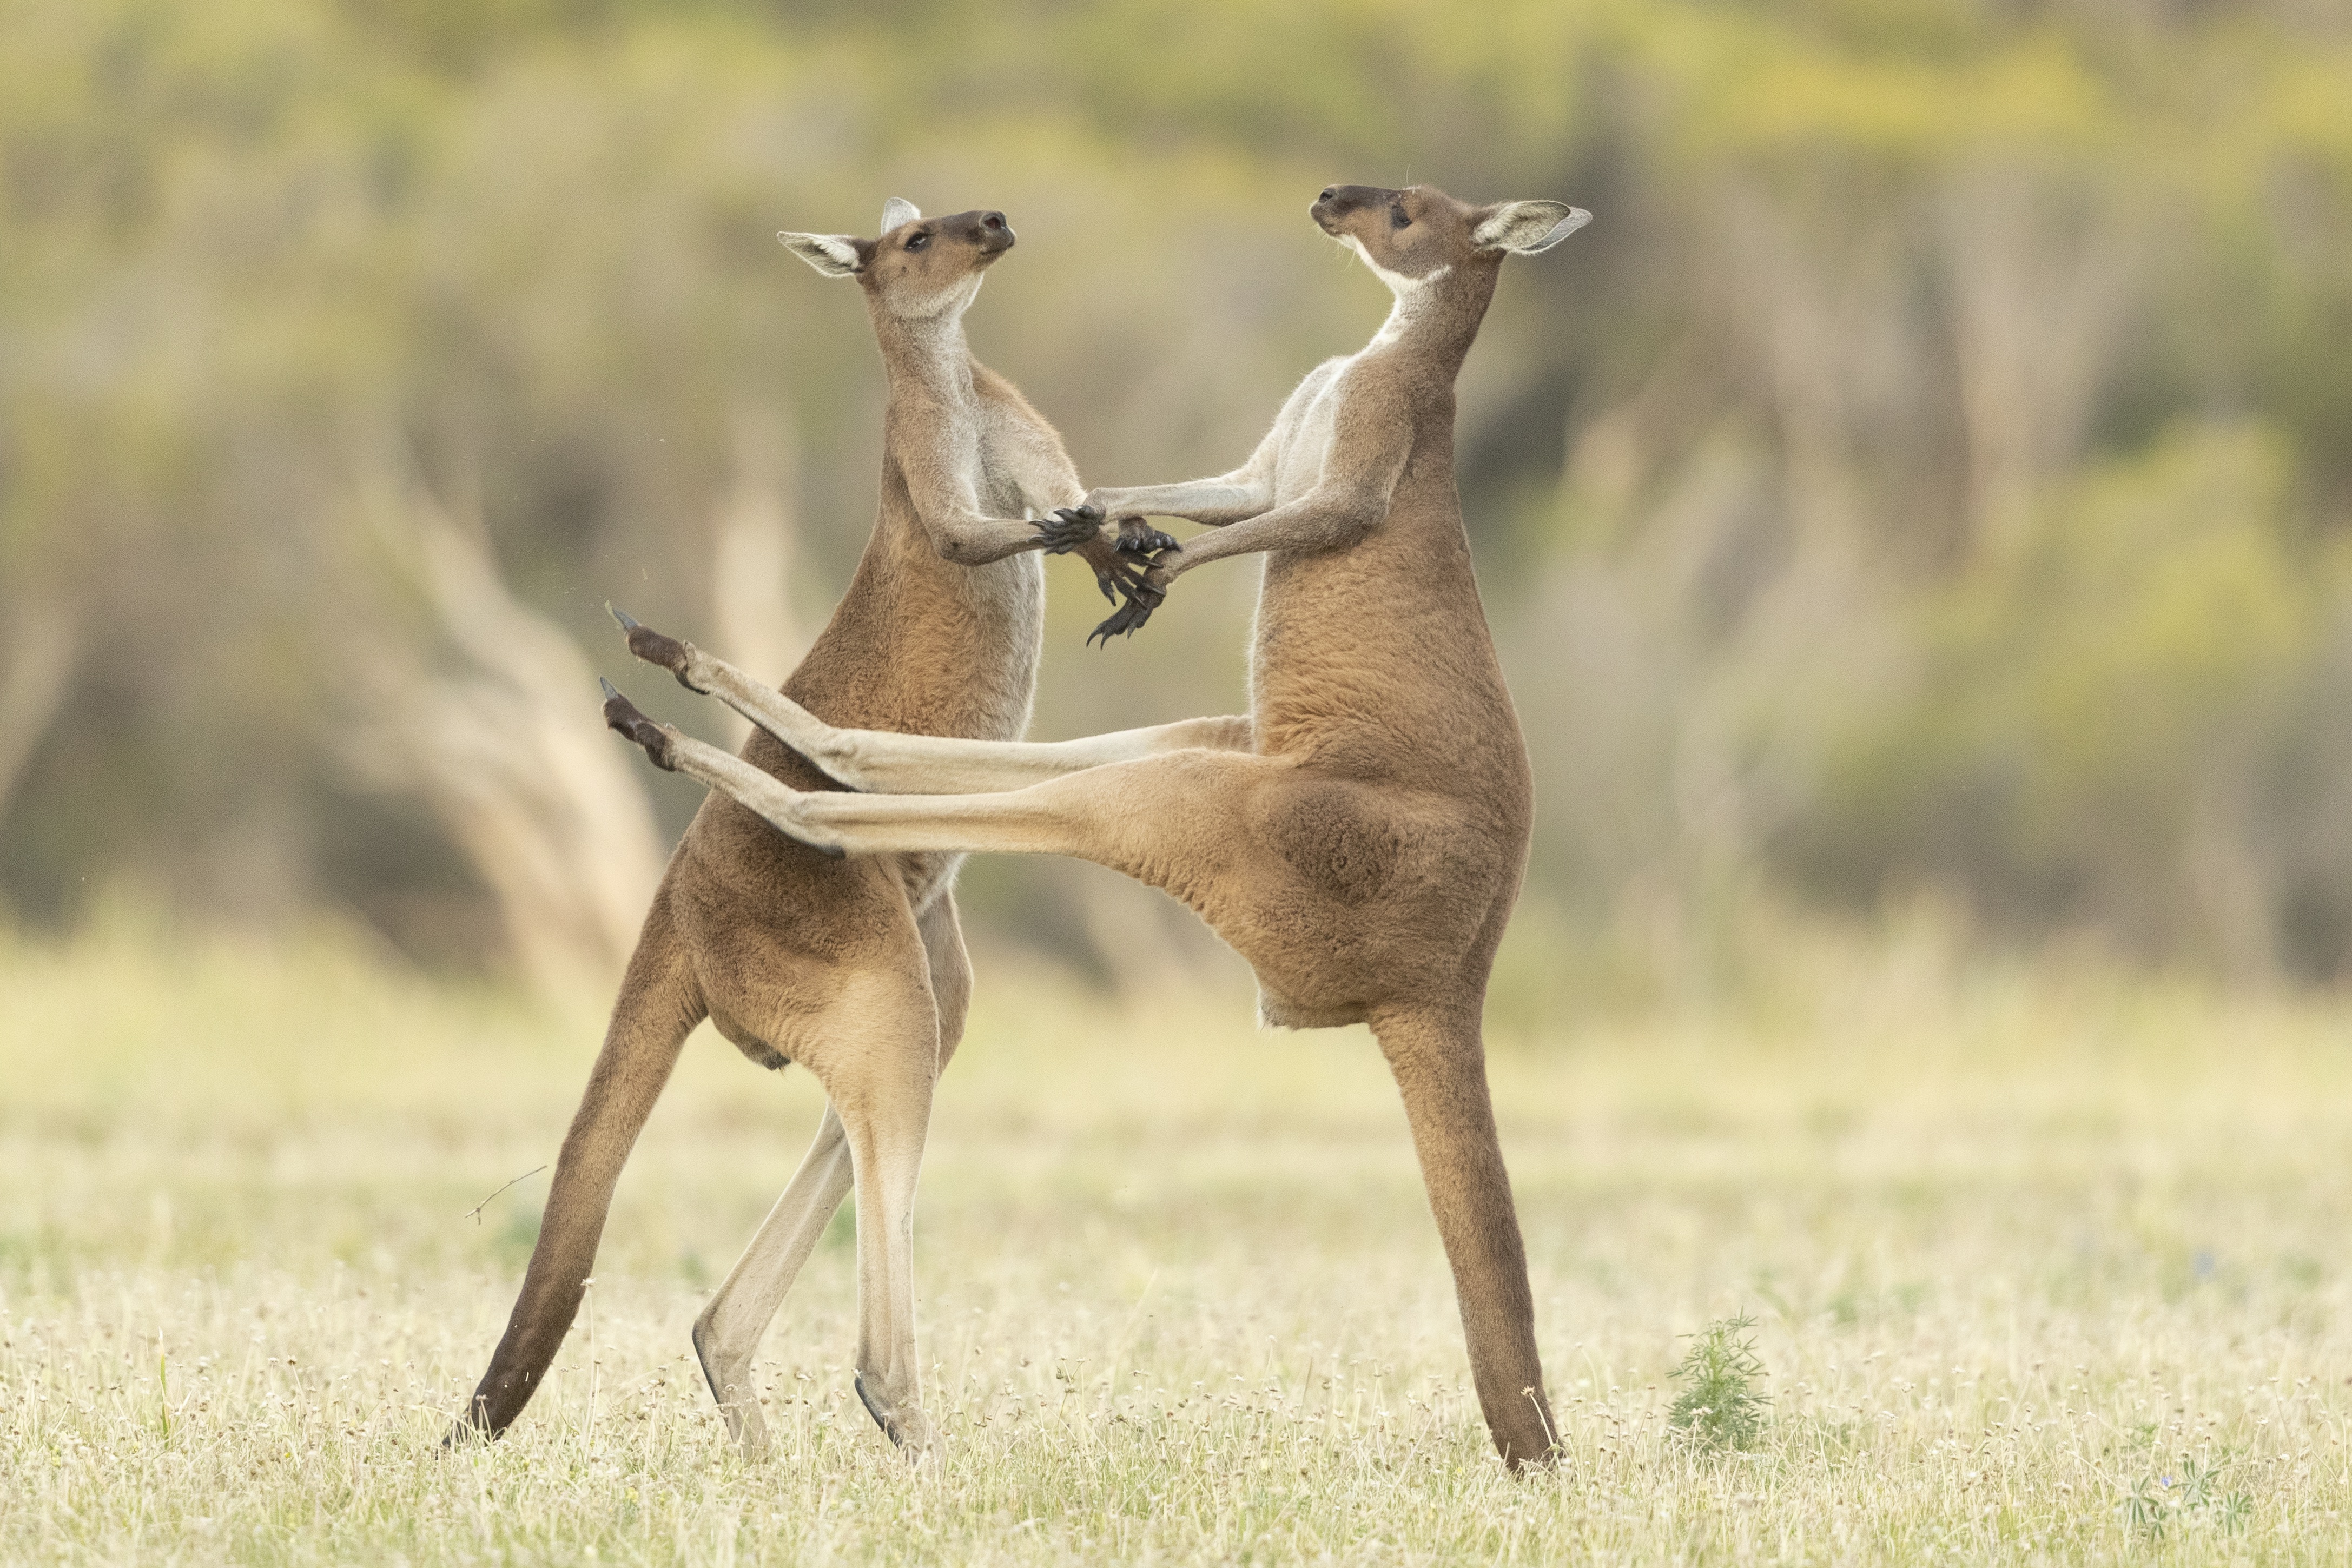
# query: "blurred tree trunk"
[2040,287]
[42,638]
[491,717]
[755,554]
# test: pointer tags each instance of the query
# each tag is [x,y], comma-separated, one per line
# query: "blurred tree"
[1930,470]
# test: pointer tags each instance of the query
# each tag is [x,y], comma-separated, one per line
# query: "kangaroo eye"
[918,241]
[1397,219]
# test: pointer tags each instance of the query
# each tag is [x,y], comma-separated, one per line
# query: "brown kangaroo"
[855,968]
[1360,835]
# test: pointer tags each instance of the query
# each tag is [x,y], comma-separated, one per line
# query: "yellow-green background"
[1914,518]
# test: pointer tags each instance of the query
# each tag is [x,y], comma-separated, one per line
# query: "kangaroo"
[855,968]
[1359,836]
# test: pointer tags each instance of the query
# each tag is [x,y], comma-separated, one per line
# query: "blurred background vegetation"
[1926,487]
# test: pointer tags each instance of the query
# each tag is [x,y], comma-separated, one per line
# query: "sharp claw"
[654,648]
[611,691]
[627,622]
[1117,626]
[624,718]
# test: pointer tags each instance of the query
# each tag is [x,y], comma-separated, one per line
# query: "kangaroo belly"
[1375,662]
[922,646]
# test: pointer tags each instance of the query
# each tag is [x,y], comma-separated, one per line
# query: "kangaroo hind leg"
[727,1336]
[659,1005]
[881,1084]
[1440,1065]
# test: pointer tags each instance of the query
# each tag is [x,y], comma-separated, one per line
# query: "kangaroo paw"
[1138,537]
[1067,529]
[1130,617]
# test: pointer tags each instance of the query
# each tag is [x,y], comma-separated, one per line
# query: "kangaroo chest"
[1310,425]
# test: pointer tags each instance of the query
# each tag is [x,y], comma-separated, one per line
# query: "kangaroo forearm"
[970,541]
[1314,522]
[1216,502]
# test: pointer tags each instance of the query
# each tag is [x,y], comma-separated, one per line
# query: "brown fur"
[854,968]
[1359,838]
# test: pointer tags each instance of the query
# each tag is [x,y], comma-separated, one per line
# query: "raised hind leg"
[727,1336]
[1166,820]
[891,763]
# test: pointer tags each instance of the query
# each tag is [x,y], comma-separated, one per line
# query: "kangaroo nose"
[992,221]
[1329,192]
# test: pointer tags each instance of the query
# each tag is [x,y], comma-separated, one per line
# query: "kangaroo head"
[1418,234]
[919,267]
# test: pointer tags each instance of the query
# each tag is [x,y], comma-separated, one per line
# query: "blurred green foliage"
[1930,472]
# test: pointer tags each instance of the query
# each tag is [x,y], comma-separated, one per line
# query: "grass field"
[2046,1266]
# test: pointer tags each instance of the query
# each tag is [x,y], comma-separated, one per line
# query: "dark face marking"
[1411,232]
[926,256]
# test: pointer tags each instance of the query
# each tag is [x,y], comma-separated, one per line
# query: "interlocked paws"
[1068,527]
[655,649]
[1139,539]
[623,716]
[1071,527]
[1144,595]
[1126,584]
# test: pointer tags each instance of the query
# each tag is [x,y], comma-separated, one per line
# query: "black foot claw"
[1068,527]
[623,716]
[656,649]
[889,1428]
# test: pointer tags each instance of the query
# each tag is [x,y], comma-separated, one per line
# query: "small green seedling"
[1719,1409]
[2191,1491]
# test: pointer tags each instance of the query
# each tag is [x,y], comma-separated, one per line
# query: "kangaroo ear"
[1527,227]
[835,255]
[896,211]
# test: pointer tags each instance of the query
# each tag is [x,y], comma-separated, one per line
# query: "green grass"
[2045,1267]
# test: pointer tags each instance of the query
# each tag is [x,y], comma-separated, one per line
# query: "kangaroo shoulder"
[1011,427]
[1322,376]
[1308,392]
[1002,403]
